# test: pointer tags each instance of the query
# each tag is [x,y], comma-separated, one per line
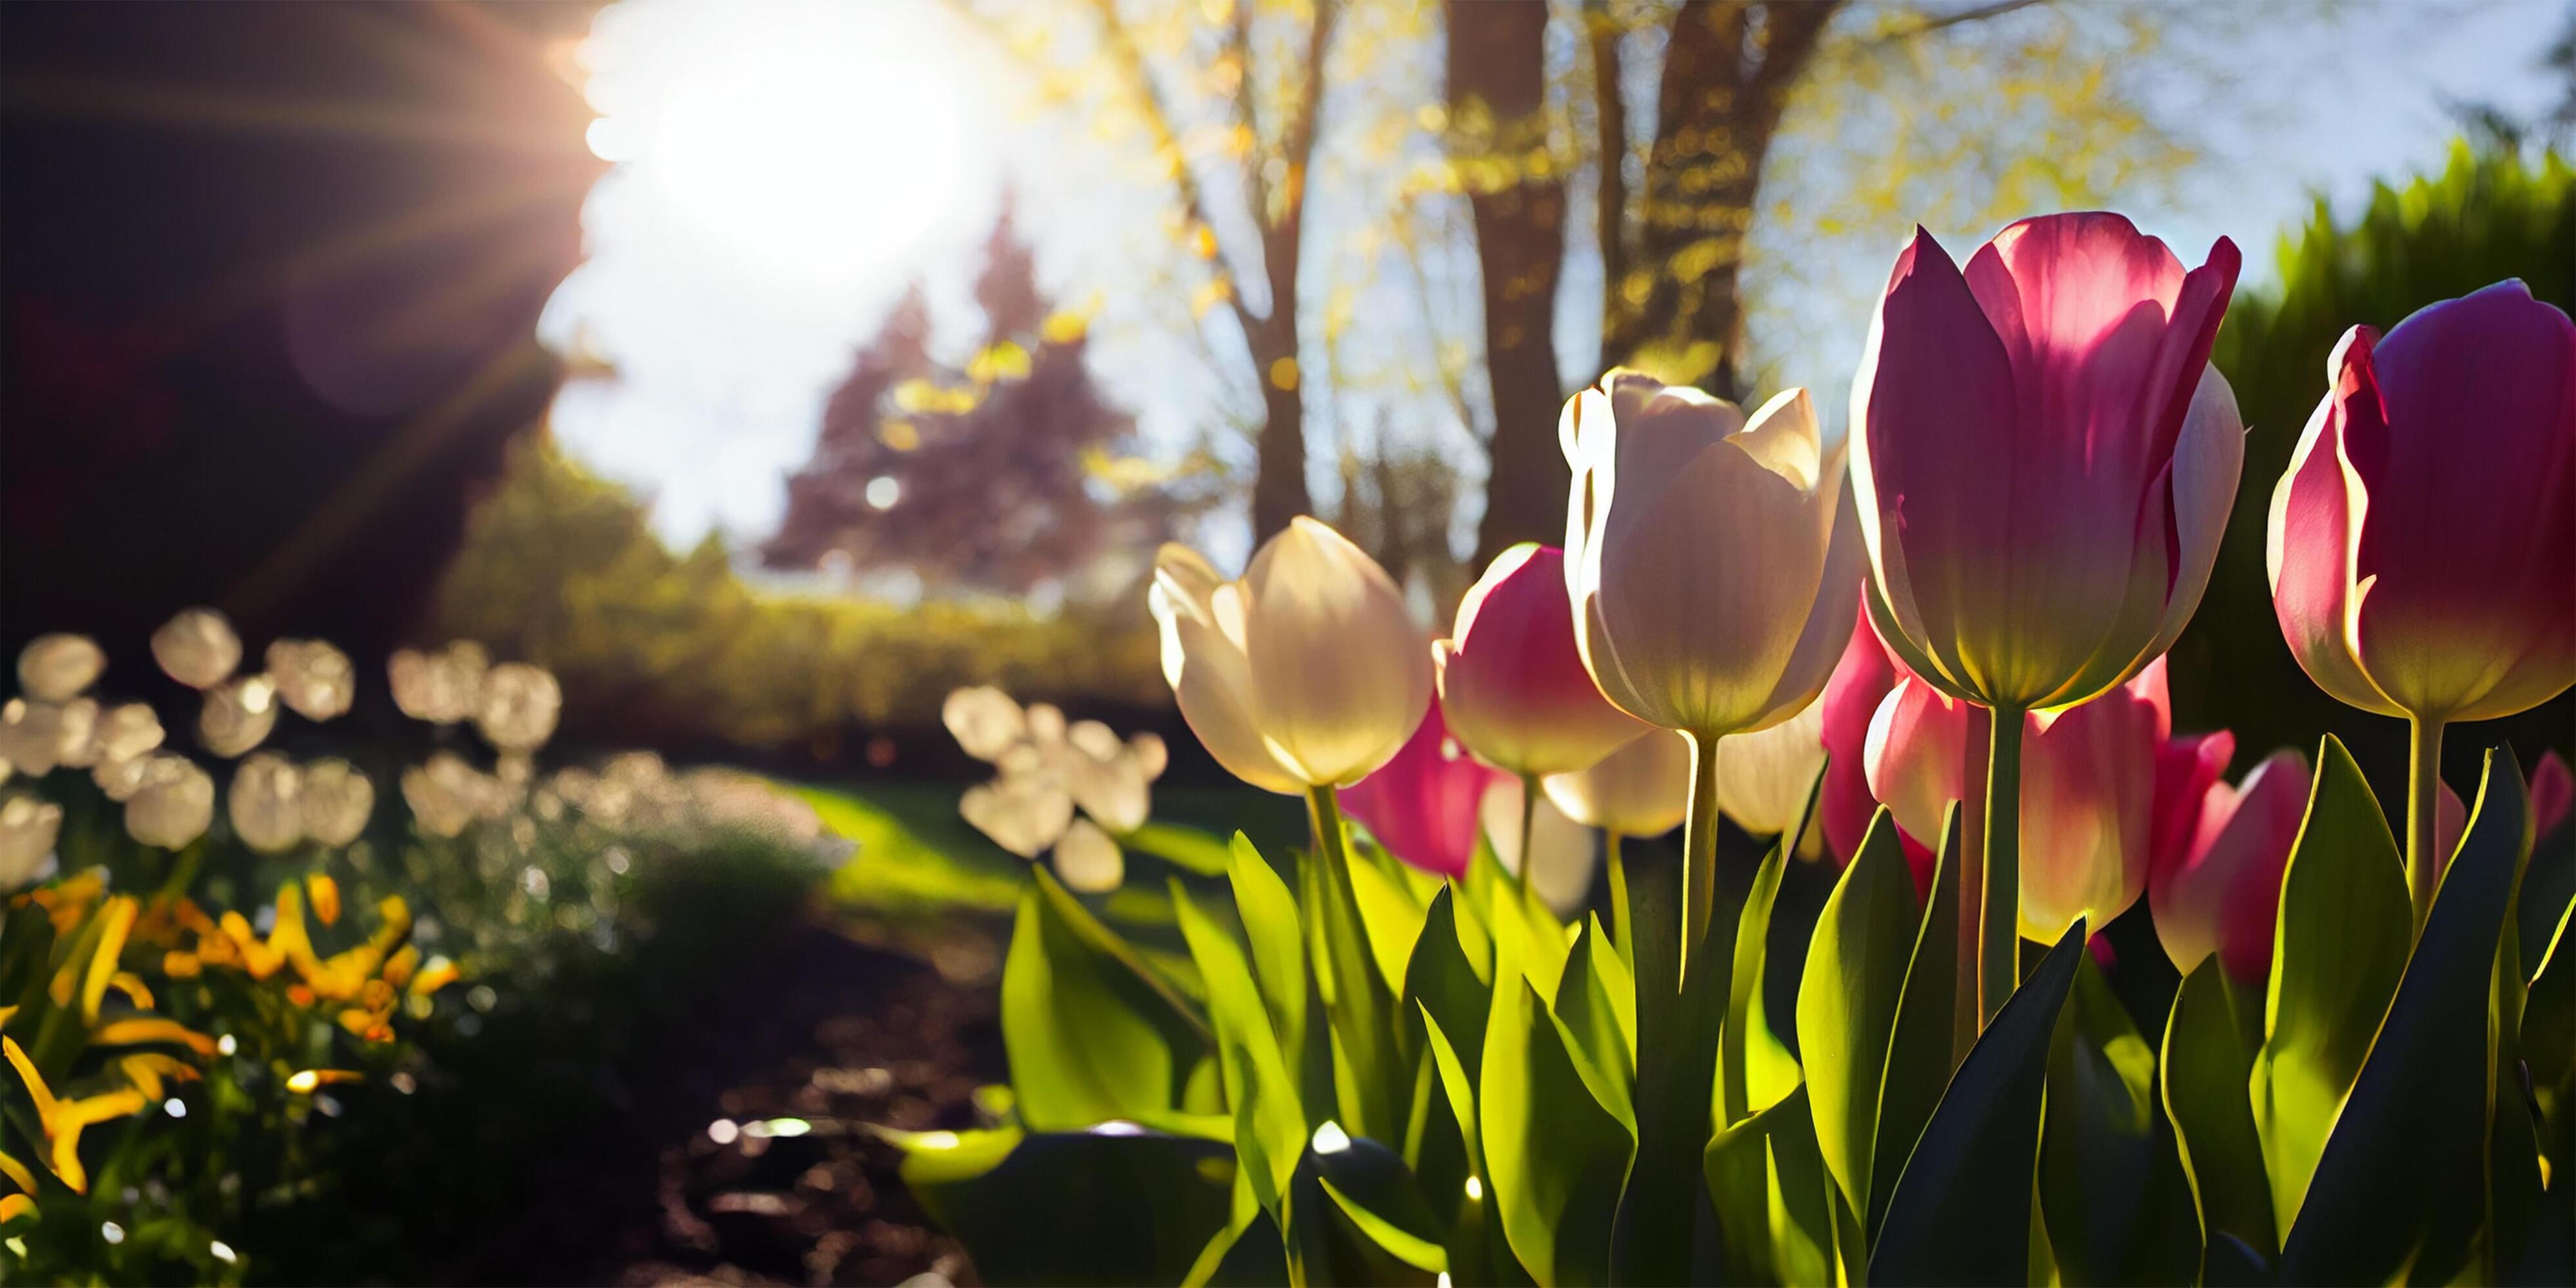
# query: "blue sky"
[735,263]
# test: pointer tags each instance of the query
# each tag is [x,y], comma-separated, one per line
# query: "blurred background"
[768,369]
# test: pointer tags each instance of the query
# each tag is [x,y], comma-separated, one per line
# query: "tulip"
[197,648]
[984,721]
[36,736]
[1844,805]
[2045,462]
[1306,673]
[266,803]
[1641,789]
[1022,813]
[337,800]
[1711,563]
[2220,891]
[173,803]
[59,668]
[1511,675]
[1423,804]
[519,707]
[28,828]
[1088,860]
[444,687]
[2423,539]
[237,715]
[2089,790]
[314,678]
[1557,851]
[2553,794]
[1763,778]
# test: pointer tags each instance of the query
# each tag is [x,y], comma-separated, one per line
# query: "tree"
[992,476]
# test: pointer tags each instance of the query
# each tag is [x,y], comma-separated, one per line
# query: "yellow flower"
[63,1120]
[141,1030]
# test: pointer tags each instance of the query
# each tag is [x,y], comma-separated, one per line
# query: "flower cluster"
[1047,768]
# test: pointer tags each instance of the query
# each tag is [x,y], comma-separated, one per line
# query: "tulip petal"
[1642,789]
[1211,680]
[2309,536]
[2087,785]
[1916,756]
[1860,680]
[1832,614]
[1763,778]
[2208,463]
[1340,673]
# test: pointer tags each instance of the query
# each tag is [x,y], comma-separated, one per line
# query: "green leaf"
[1753,1069]
[1920,1050]
[2409,1147]
[1773,1196]
[1269,1119]
[1390,914]
[1598,1004]
[1269,915]
[1092,1032]
[1442,979]
[1962,1208]
[2113,1194]
[1677,1035]
[1370,1190]
[1553,1155]
[1186,848]
[1032,1209]
[2206,1067]
[1372,1083]
[1847,1003]
[2548,890]
[2340,945]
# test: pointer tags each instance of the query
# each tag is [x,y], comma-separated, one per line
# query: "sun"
[801,141]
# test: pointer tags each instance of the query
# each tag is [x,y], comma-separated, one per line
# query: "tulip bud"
[2044,458]
[197,648]
[314,679]
[519,707]
[172,805]
[338,800]
[1763,778]
[1563,854]
[1511,677]
[28,828]
[2221,892]
[1642,789]
[2553,794]
[238,715]
[266,803]
[59,668]
[1422,804]
[1306,672]
[2423,539]
[1709,559]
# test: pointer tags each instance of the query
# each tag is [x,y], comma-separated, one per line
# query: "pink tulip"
[2423,540]
[2220,892]
[1511,675]
[2044,458]
[1852,696]
[2091,782]
[1421,805]
[2553,794]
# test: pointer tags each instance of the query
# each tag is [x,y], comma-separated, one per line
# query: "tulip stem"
[1699,849]
[1621,928]
[1969,864]
[2424,857]
[1529,843]
[1999,919]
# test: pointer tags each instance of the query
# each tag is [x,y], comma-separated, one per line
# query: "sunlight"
[799,143]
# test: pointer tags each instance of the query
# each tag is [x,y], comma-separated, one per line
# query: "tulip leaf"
[1847,1003]
[2206,1066]
[1390,914]
[1677,1037]
[1598,1003]
[1269,1121]
[2548,890]
[1269,915]
[1030,1208]
[1554,1155]
[1961,1212]
[1371,1082]
[1749,1057]
[1091,1031]
[2408,1153]
[2113,1195]
[1767,1167]
[1355,1216]
[1920,1047]
[1187,848]
[2339,946]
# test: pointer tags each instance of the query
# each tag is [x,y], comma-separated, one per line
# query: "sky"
[786,167]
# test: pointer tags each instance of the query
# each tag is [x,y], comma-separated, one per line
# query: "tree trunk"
[1497,73]
[1279,464]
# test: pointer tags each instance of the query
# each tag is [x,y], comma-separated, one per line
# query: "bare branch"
[1956,18]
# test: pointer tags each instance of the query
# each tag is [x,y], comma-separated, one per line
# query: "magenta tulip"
[2553,794]
[1511,674]
[2422,542]
[2221,890]
[1859,683]
[2044,457]
[1422,804]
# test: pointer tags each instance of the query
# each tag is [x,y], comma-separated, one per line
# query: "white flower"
[1088,860]
[58,668]
[338,800]
[985,721]
[441,688]
[197,648]
[238,715]
[315,679]
[519,706]
[28,828]
[266,803]
[173,803]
